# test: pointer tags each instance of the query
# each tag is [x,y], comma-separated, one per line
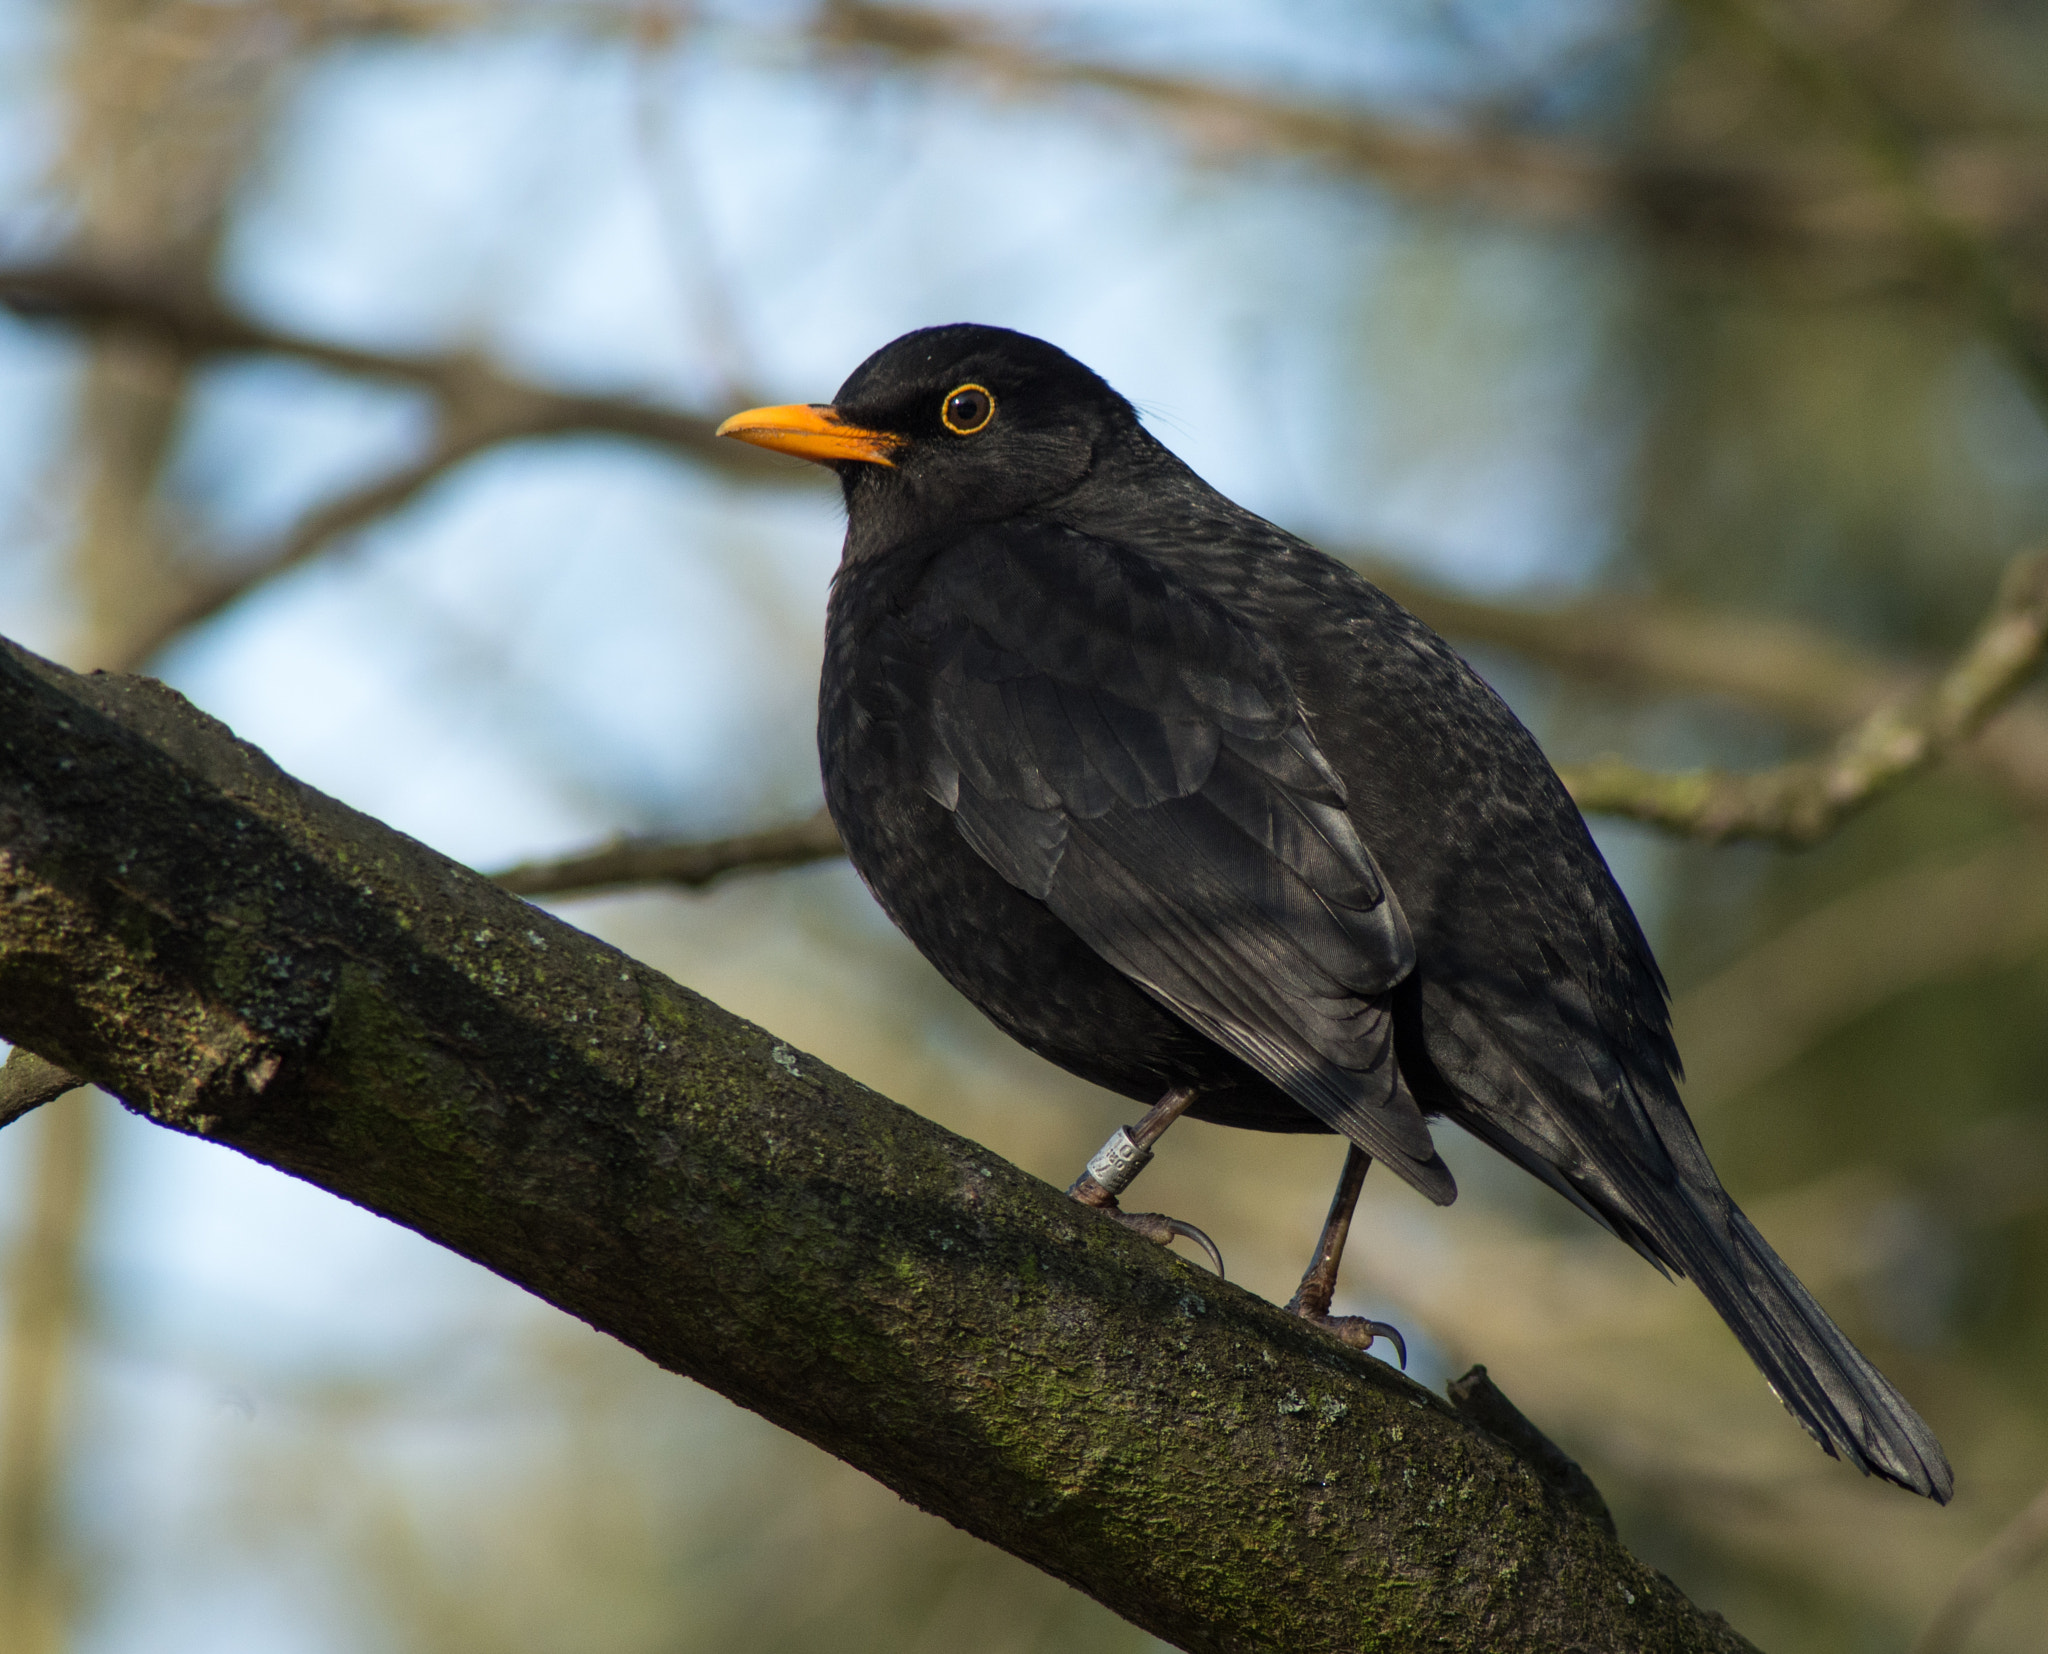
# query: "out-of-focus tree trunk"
[46,1298]
[163,101]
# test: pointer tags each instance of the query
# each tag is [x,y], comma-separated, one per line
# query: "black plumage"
[1179,801]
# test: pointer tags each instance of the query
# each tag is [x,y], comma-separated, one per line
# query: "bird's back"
[1509,900]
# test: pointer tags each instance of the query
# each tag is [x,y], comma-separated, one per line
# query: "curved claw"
[1360,1333]
[1187,1231]
[1157,1226]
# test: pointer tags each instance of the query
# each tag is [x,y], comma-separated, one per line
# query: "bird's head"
[948,426]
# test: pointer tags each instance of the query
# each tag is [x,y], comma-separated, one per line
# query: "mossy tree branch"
[238,957]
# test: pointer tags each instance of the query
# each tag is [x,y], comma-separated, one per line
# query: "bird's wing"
[1127,750]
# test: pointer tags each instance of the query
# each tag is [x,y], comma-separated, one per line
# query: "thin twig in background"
[1796,803]
[319,529]
[28,1081]
[472,388]
[1740,1027]
[1531,177]
[2020,1544]
[1793,671]
[1786,668]
[480,407]
[689,863]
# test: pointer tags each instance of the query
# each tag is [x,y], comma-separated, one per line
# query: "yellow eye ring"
[967,409]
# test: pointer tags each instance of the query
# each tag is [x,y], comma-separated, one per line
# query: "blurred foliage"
[1693,341]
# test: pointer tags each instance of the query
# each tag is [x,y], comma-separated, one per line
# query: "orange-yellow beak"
[811,431]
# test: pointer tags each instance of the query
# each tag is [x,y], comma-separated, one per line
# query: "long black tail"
[1633,1162]
[1825,1382]
[1669,1205]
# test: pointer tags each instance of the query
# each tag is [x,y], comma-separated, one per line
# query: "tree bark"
[238,957]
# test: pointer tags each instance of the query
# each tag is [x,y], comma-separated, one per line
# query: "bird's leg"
[1120,1160]
[1311,1300]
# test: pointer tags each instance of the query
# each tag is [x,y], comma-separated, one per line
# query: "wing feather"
[1126,750]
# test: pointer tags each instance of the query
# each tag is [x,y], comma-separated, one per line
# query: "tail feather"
[1825,1382]
[1683,1220]
[1611,1135]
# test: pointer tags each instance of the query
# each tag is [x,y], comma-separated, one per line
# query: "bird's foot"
[1154,1226]
[1120,1160]
[1157,1226]
[1358,1332]
[1311,1301]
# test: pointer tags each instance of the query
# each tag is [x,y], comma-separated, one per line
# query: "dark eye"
[967,409]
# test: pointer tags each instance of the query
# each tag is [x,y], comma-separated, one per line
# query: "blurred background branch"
[480,407]
[2019,1545]
[1800,803]
[1813,200]
[689,864]
[27,1082]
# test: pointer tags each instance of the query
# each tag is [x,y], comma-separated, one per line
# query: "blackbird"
[1203,816]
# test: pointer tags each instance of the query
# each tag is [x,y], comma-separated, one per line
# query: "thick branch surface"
[238,957]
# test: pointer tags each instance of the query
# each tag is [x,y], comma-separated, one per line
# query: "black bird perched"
[1203,816]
